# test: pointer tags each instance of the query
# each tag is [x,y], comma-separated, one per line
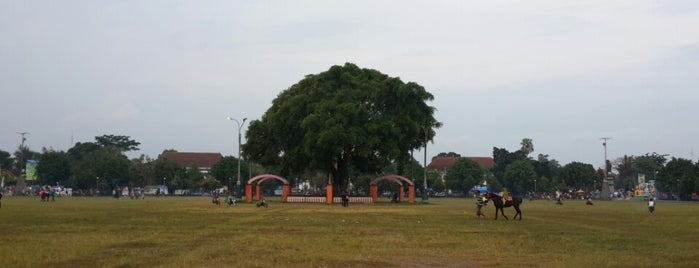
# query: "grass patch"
[191,232]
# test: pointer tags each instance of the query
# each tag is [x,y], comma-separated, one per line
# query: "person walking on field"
[479,204]
[651,204]
[345,199]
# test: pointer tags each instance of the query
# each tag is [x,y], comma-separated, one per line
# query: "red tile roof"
[201,160]
[486,162]
[443,163]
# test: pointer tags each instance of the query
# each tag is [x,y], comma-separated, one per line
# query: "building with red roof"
[442,163]
[204,161]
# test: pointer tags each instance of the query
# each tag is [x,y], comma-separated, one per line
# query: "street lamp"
[605,180]
[240,126]
[424,161]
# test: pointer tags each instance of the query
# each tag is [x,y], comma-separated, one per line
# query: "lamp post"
[240,126]
[97,185]
[605,188]
[424,161]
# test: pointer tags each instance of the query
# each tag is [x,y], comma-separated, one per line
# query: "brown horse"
[499,205]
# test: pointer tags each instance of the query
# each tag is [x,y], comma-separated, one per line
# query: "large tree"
[346,116]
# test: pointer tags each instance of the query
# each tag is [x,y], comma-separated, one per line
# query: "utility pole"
[605,181]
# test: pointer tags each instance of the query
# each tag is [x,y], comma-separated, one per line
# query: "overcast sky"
[168,73]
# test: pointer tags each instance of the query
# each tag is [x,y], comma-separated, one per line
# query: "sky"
[168,73]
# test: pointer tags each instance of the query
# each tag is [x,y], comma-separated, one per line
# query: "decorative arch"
[259,177]
[374,192]
[393,178]
[286,189]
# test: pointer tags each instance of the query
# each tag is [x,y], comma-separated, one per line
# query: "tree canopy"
[123,143]
[346,116]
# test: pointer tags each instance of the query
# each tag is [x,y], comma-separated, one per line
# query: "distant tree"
[493,183]
[192,175]
[578,175]
[123,143]
[527,146]
[5,160]
[53,167]
[680,173]
[520,176]
[502,158]
[142,172]
[628,172]
[546,170]
[650,163]
[209,183]
[225,169]
[434,181]
[344,117]
[463,175]
[168,172]
[106,163]
[449,154]
[81,150]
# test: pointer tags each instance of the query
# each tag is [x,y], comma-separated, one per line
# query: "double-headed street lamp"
[240,126]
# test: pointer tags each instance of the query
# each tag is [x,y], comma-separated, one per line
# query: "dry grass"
[191,232]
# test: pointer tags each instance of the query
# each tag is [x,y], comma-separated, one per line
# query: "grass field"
[192,232]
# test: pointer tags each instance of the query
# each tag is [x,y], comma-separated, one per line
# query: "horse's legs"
[519,212]
[502,211]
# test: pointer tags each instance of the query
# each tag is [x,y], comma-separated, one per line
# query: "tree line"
[520,173]
[103,165]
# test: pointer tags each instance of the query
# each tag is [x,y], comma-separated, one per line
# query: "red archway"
[374,191]
[286,190]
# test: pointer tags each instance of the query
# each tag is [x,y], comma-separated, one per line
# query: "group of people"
[47,193]
[216,200]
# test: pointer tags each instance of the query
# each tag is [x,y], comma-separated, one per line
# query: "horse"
[499,205]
